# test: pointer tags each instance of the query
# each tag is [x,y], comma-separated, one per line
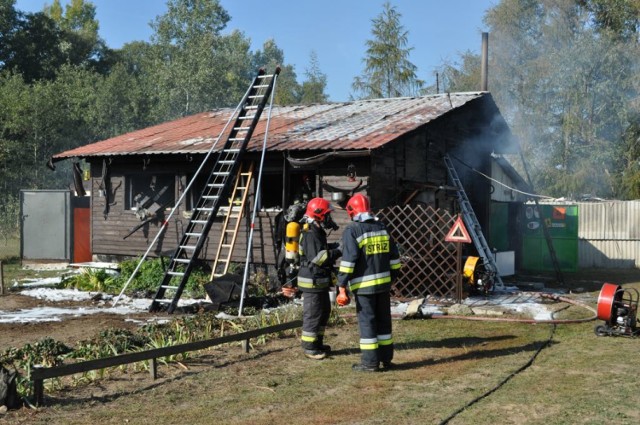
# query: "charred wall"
[110,225]
[411,170]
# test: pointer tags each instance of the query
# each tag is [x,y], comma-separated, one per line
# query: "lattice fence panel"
[428,262]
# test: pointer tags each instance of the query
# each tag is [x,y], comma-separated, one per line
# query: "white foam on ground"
[51,294]
[527,304]
[125,306]
[50,281]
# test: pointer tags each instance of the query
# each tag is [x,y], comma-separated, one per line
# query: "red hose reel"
[618,307]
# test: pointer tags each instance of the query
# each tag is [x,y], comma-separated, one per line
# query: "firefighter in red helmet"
[370,262]
[317,258]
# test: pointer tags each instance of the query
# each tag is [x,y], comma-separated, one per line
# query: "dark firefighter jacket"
[370,259]
[316,259]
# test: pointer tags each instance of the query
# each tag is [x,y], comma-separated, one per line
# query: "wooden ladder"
[231,223]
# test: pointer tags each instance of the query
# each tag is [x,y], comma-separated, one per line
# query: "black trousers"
[316,308]
[374,321]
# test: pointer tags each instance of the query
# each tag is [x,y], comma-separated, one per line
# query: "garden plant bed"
[69,331]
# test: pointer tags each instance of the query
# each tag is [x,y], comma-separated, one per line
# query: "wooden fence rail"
[39,374]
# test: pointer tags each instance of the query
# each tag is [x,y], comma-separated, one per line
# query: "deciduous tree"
[287,90]
[80,43]
[196,67]
[459,76]
[564,75]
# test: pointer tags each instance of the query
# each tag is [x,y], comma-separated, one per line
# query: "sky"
[336,30]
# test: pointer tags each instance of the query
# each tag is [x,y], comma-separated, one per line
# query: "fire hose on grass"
[545,295]
[553,322]
[517,320]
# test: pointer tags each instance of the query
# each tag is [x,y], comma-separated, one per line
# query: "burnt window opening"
[271,193]
[301,187]
[151,192]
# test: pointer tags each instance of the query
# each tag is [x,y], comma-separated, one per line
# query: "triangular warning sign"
[458,233]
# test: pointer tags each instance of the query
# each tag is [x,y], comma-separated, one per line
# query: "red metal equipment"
[618,307]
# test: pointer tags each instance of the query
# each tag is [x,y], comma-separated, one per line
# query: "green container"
[562,223]
[499,234]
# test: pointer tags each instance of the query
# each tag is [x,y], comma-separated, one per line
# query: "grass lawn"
[470,372]
[12,266]
[448,371]
[442,367]
[9,249]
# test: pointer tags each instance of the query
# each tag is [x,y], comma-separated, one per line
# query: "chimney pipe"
[484,63]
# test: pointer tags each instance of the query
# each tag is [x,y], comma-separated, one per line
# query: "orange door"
[82,235]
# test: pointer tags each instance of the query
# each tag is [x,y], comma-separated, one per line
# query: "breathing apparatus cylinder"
[291,242]
[470,268]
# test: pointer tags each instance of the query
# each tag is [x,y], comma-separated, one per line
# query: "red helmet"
[358,204]
[318,208]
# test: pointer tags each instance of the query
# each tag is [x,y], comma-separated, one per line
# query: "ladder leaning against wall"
[231,222]
[215,191]
[472,224]
[225,166]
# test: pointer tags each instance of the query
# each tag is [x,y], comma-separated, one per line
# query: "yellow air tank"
[291,241]
[470,267]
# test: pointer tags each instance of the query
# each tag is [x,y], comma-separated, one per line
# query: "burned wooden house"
[390,149]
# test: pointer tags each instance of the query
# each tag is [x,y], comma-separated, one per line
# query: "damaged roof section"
[357,125]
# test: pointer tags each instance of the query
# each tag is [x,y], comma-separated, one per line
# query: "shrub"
[145,282]
[91,280]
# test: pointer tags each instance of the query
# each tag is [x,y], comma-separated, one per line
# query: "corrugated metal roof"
[362,124]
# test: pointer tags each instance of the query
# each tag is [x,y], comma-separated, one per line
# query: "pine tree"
[312,90]
[388,71]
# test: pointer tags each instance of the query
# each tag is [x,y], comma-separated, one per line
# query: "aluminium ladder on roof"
[216,189]
[231,222]
[472,224]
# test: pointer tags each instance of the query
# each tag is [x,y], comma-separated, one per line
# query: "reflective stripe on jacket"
[370,258]
[316,261]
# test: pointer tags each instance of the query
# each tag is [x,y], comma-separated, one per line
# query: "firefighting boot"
[323,347]
[315,354]
[312,350]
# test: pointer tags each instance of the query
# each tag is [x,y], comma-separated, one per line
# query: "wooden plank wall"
[108,233]
[399,168]
[108,230]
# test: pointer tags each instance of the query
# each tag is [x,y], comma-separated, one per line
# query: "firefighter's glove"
[343,298]
[289,292]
